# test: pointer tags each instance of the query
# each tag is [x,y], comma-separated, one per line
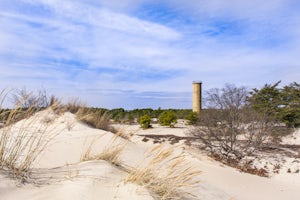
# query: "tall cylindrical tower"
[197,101]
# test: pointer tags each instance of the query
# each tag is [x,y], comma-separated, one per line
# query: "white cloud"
[96,16]
[75,47]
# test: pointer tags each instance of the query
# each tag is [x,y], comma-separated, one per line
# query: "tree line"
[274,103]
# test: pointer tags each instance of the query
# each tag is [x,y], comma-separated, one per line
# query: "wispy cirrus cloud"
[148,51]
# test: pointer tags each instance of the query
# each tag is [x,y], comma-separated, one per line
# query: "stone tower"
[197,101]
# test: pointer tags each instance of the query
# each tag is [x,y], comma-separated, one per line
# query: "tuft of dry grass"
[74,106]
[95,119]
[22,139]
[167,175]
[110,153]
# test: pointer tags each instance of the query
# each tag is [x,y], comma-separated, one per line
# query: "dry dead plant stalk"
[71,173]
[70,124]
[171,183]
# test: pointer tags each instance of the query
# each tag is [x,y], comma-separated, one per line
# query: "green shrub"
[130,118]
[192,118]
[168,118]
[145,121]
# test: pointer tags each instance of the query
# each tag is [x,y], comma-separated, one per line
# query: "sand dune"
[59,174]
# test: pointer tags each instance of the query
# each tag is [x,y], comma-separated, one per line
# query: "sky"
[146,53]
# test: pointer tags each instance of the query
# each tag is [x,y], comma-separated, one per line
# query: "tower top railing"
[197,82]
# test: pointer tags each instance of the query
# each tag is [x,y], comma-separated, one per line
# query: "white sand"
[293,138]
[59,174]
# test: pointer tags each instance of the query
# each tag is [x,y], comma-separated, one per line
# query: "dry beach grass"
[111,152]
[165,173]
[21,139]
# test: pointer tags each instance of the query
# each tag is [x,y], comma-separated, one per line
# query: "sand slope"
[59,174]
[234,184]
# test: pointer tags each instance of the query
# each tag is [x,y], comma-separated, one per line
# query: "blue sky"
[146,53]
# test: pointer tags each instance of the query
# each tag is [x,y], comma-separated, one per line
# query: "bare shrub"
[171,183]
[229,128]
[23,100]
[26,99]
